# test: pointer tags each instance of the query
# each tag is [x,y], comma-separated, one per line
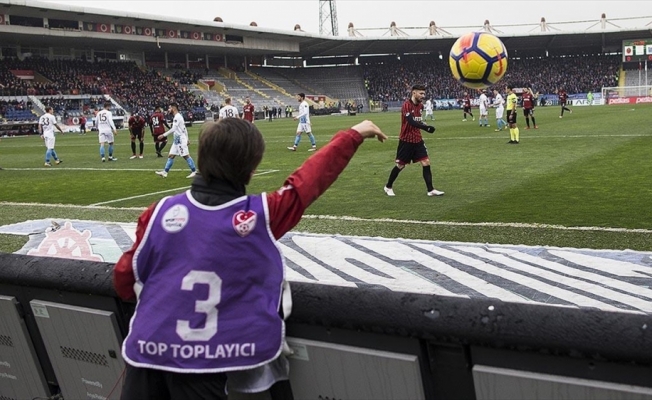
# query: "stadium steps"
[248,86]
[40,78]
[37,105]
[271,85]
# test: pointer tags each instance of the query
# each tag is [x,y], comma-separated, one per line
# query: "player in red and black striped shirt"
[411,147]
[136,128]
[563,98]
[466,106]
[158,126]
[248,111]
[528,107]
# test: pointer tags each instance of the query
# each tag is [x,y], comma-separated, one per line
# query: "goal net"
[627,94]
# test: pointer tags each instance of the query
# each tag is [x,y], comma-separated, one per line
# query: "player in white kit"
[304,124]
[107,131]
[429,106]
[46,124]
[499,103]
[484,105]
[179,144]
[229,111]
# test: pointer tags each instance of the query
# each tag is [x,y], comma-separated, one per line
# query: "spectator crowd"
[391,80]
[140,90]
[134,88]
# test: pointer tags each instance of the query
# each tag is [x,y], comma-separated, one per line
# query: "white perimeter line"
[490,224]
[378,220]
[73,206]
[161,192]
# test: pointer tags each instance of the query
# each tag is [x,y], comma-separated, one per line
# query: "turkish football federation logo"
[244,222]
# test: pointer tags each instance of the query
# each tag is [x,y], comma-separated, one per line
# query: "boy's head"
[229,149]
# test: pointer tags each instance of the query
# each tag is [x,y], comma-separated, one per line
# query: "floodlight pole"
[328,18]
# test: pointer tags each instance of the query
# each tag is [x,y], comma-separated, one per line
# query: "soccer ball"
[478,60]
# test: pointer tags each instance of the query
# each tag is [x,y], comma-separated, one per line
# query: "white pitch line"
[73,206]
[161,192]
[479,224]
[137,197]
[263,172]
[86,169]
[374,220]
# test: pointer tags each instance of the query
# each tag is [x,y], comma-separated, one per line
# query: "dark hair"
[510,87]
[227,100]
[175,105]
[419,87]
[48,108]
[229,149]
[107,104]
[302,95]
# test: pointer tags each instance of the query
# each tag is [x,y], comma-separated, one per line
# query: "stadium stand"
[17,110]
[133,88]
[391,79]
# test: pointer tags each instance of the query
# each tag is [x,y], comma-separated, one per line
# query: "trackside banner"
[630,100]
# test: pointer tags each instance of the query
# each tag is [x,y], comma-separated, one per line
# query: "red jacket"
[286,205]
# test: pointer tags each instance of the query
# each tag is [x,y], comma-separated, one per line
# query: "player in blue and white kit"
[484,105]
[499,103]
[429,107]
[107,131]
[304,124]
[46,125]
[179,144]
[229,110]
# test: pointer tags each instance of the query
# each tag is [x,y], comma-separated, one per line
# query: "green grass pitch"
[581,181]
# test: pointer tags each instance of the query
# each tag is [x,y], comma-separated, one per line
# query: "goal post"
[627,94]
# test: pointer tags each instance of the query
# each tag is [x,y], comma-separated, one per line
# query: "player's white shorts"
[304,128]
[49,142]
[500,111]
[483,110]
[428,112]
[106,137]
[179,147]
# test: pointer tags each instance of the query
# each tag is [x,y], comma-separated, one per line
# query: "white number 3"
[208,306]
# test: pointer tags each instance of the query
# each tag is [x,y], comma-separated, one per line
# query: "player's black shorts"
[511,117]
[137,134]
[467,110]
[407,153]
[146,383]
[528,112]
[156,139]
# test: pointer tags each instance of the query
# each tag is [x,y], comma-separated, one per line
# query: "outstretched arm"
[314,177]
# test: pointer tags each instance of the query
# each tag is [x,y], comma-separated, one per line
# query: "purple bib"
[211,282]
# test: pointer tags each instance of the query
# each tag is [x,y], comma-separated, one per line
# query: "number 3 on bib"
[208,306]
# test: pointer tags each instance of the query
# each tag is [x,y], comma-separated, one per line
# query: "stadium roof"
[299,44]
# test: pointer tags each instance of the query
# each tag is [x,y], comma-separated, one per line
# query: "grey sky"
[454,16]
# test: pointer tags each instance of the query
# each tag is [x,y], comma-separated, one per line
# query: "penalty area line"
[478,224]
[162,191]
[138,196]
